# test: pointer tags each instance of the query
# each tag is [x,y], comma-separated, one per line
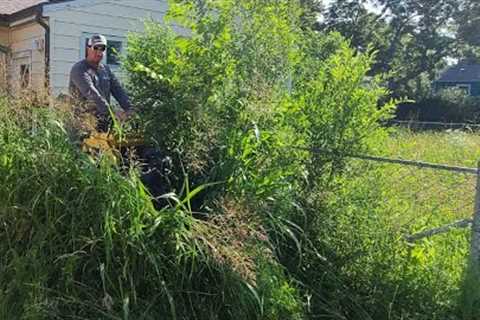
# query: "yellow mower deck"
[106,143]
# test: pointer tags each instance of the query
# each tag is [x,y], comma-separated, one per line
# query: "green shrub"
[448,105]
[243,100]
[246,84]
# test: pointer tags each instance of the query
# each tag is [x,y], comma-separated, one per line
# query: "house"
[464,76]
[40,40]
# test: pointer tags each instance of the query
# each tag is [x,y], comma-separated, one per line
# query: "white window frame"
[465,86]
[122,44]
[19,58]
[88,35]
[25,76]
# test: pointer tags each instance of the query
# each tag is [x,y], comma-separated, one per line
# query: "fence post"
[470,288]
[475,244]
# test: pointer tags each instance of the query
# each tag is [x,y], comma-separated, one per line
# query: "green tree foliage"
[448,105]
[467,33]
[312,10]
[411,38]
[469,22]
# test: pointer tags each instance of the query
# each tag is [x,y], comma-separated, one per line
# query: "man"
[92,84]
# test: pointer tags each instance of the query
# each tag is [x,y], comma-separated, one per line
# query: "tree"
[467,23]
[311,11]
[361,26]
[425,41]
[410,37]
[468,20]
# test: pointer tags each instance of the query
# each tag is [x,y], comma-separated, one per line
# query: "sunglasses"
[99,48]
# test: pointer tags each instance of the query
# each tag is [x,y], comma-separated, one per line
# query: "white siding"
[72,22]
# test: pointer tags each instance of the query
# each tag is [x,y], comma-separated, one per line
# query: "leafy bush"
[449,105]
[228,96]
[248,99]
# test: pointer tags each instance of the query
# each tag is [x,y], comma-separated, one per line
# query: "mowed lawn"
[424,198]
[454,148]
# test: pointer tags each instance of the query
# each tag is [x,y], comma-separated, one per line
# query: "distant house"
[40,40]
[464,76]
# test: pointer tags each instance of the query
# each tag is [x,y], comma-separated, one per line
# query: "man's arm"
[83,81]
[118,92]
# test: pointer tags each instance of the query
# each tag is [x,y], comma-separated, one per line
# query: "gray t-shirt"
[94,86]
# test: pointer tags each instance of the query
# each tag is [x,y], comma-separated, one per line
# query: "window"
[24,76]
[114,48]
[464,87]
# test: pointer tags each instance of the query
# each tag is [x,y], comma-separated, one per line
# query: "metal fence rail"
[433,125]
[413,163]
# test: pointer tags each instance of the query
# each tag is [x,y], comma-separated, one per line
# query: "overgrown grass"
[374,206]
[452,147]
[82,240]
[258,225]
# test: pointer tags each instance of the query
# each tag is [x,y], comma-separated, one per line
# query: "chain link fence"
[434,194]
[410,225]
[427,202]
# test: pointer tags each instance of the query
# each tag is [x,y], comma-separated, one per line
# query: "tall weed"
[247,99]
[81,240]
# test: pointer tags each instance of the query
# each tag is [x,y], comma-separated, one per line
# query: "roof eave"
[4,20]
[25,13]
[8,18]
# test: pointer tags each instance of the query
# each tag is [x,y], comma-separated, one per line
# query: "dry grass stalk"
[234,237]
